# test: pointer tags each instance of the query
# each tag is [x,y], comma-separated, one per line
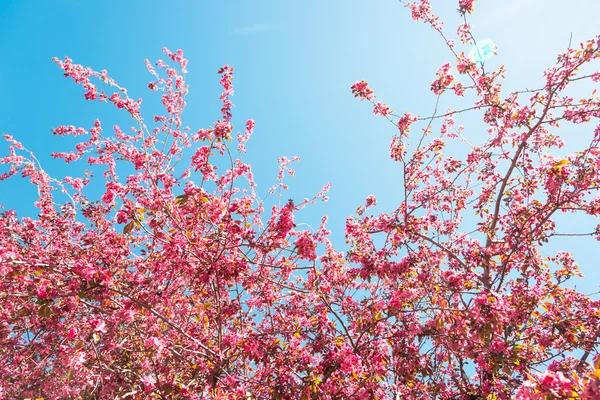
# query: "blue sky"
[294,64]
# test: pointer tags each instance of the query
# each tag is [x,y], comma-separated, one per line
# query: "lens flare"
[483,51]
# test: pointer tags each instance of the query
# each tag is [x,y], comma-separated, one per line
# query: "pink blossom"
[72,332]
[371,201]
[466,6]
[406,121]
[99,325]
[306,246]
[464,33]
[444,80]
[381,109]
[459,89]
[362,90]
[149,383]
[420,10]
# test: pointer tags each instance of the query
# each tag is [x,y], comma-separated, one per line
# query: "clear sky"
[294,64]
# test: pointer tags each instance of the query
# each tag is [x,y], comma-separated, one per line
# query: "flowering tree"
[488,301]
[177,283]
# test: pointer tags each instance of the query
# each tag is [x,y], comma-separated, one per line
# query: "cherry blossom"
[174,279]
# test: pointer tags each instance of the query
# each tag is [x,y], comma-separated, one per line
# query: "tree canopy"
[179,281]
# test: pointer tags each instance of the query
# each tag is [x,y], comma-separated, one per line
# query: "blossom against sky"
[294,65]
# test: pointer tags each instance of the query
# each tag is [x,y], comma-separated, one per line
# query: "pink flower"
[406,121]
[149,382]
[466,6]
[12,141]
[371,201]
[99,325]
[381,109]
[464,64]
[243,138]
[286,221]
[361,89]
[464,33]
[72,333]
[459,89]
[223,129]
[306,246]
[350,363]
[444,79]
[420,11]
